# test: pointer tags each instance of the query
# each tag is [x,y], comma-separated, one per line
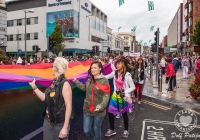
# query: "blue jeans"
[87,126]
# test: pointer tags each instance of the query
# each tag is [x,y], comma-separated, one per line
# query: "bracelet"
[34,87]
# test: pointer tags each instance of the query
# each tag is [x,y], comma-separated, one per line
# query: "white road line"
[165,122]
[32,134]
[143,129]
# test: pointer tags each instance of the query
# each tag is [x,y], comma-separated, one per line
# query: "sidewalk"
[180,97]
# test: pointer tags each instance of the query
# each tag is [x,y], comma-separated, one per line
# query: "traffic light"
[51,43]
[37,49]
[97,49]
[94,49]
[108,50]
[155,38]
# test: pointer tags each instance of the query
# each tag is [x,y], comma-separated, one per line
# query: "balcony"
[190,29]
[186,18]
[190,14]
[186,31]
[190,1]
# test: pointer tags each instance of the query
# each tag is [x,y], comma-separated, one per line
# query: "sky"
[135,13]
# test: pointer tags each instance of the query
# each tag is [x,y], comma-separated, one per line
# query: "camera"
[120,92]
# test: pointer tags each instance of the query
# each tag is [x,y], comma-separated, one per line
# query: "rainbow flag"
[14,77]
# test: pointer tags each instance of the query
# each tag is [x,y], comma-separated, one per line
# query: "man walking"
[176,64]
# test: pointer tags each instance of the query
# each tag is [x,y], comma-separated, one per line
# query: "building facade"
[129,41]
[3,28]
[192,15]
[82,25]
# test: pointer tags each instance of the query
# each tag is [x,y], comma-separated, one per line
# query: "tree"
[2,56]
[58,38]
[196,34]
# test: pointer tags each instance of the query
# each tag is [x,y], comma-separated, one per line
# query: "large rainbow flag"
[14,77]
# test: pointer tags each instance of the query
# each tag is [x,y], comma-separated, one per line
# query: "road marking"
[32,134]
[157,105]
[160,122]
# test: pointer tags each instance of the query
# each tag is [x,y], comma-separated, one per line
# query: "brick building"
[192,15]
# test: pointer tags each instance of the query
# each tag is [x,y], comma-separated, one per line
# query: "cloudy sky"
[135,13]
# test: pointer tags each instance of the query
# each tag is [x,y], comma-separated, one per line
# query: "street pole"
[25,36]
[48,46]
[157,46]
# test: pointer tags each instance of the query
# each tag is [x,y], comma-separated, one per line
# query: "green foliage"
[59,39]
[3,57]
[196,34]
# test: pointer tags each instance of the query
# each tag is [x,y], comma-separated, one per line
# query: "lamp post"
[26,11]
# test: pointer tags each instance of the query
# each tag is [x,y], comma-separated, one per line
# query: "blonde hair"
[61,64]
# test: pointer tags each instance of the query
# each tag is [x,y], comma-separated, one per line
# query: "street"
[20,116]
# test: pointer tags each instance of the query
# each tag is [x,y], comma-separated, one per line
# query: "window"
[101,28]
[19,37]
[10,37]
[28,36]
[28,21]
[105,31]
[10,23]
[35,36]
[97,26]
[19,22]
[92,23]
[36,20]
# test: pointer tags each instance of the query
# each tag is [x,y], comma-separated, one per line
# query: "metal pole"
[157,54]
[160,81]
[25,36]
[48,46]
[89,31]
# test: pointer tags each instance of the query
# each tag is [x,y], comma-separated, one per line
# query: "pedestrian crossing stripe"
[157,105]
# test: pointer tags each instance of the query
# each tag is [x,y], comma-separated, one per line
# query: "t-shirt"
[119,82]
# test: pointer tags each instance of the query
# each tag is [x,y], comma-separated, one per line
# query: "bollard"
[160,81]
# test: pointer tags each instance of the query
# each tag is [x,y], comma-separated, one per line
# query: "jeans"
[52,131]
[87,126]
[138,88]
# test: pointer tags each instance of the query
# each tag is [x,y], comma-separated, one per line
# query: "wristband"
[34,87]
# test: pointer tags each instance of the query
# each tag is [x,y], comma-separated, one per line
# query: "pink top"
[119,82]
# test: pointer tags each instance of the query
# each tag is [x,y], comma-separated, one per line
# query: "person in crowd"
[120,101]
[13,62]
[180,60]
[97,96]
[19,61]
[196,64]
[10,60]
[139,75]
[193,63]
[31,60]
[176,64]
[170,74]
[1,62]
[58,103]
[163,64]
[38,60]
[185,66]
[190,62]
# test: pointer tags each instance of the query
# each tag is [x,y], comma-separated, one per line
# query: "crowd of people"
[128,75]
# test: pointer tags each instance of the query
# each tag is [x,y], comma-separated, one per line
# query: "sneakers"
[125,134]
[110,133]
[118,116]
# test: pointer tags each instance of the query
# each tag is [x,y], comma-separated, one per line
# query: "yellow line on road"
[157,105]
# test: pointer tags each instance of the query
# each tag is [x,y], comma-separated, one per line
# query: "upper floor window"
[35,36]
[19,22]
[10,37]
[28,36]
[28,21]
[36,20]
[19,37]
[10,23]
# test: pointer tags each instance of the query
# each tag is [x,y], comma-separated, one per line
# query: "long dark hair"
[90,73]
[137,64]
[124,62]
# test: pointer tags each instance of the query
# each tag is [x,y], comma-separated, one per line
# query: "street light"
[26,11]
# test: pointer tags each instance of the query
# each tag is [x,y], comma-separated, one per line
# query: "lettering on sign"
[85,8]
[59,3]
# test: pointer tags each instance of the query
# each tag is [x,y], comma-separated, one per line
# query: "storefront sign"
[2,29]
[59,2]
[85,8]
